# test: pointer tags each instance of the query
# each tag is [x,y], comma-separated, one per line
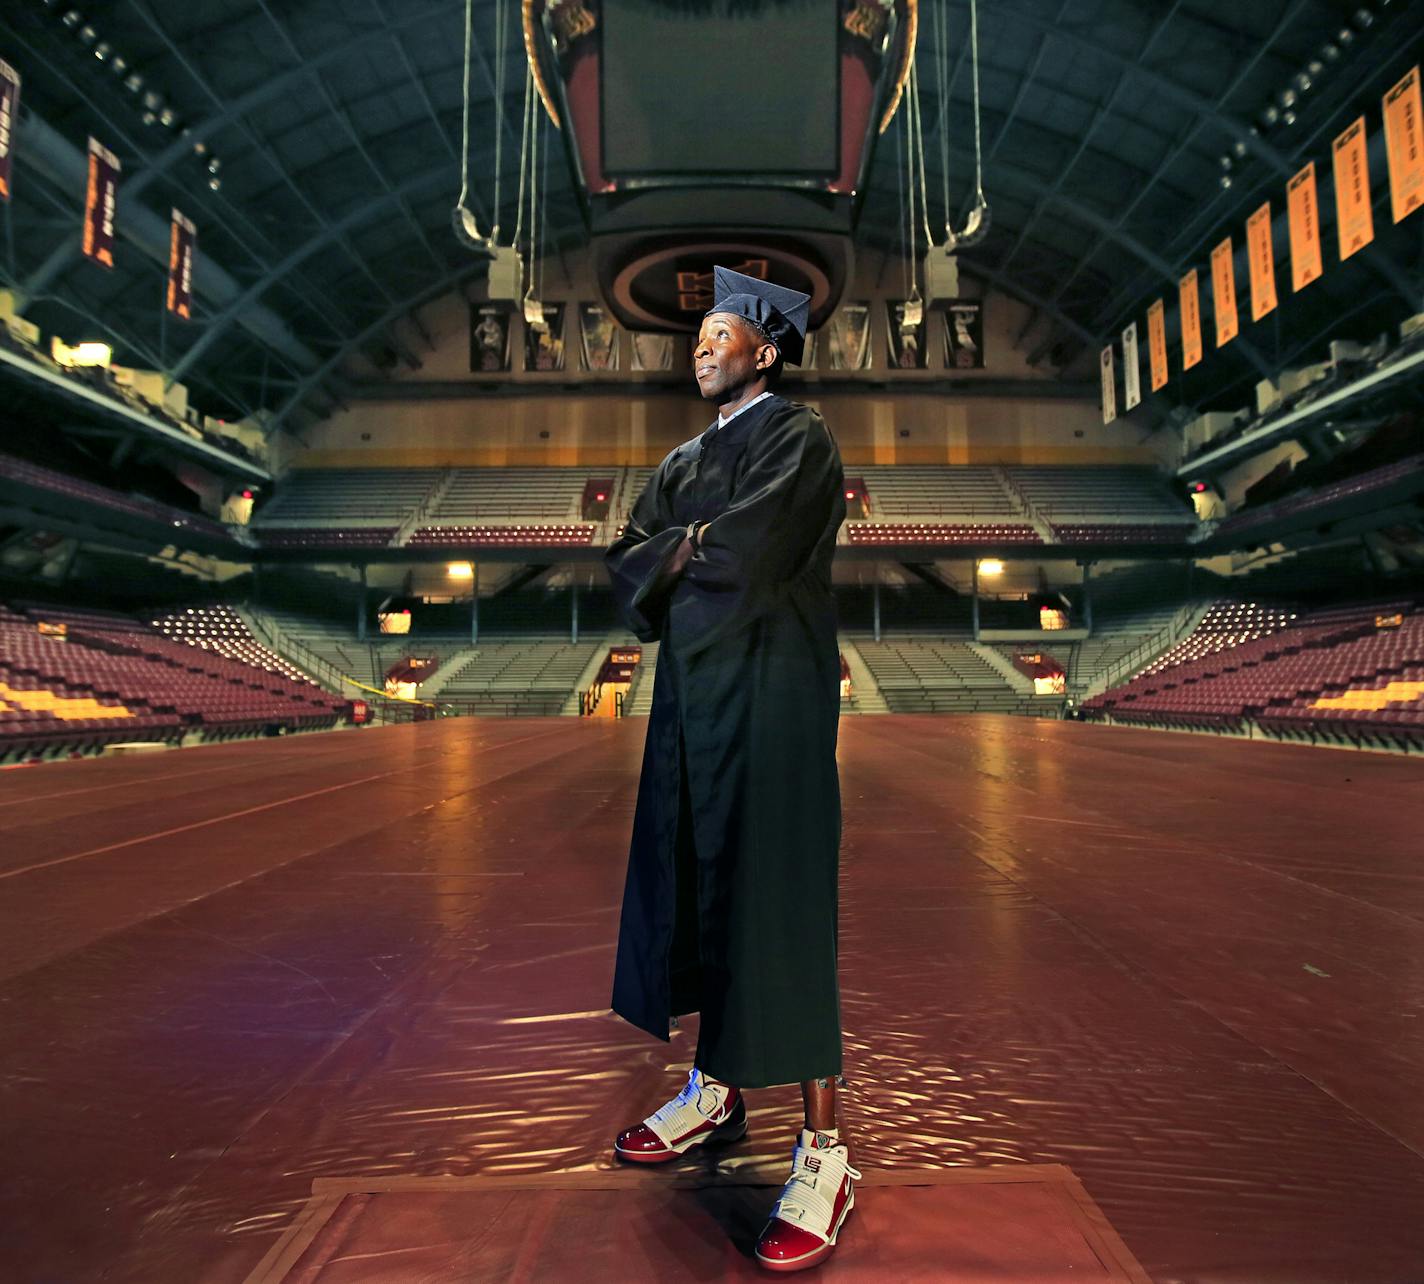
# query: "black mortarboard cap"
[781,313]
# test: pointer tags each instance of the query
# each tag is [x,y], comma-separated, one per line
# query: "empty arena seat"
[326,537]
[1327,668]
[166,687]
[497,536]
[941,533]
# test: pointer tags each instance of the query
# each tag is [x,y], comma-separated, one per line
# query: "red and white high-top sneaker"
[703,1113]
[813,1206]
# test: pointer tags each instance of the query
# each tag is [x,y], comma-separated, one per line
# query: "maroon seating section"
[169,686]
[494,536]
[1275,679]
[941,533]
[1123,532]
[62,484]
[1373,479]
[325,536]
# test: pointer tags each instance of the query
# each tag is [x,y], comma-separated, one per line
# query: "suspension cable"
[941,28]
[501,78]
[974,63]
[462,218]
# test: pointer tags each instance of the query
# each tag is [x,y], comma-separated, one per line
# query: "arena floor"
[1185,968]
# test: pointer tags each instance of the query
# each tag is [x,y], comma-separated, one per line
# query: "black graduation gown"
[730,903]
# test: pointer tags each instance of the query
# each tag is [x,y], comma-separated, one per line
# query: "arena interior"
[339,342]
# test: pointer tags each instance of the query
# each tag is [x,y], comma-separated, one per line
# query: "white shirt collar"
[723,422]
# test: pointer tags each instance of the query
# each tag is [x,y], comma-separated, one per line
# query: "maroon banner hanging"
[182,245]
[100,201]
[9,114]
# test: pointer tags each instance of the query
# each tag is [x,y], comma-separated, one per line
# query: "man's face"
[729,355]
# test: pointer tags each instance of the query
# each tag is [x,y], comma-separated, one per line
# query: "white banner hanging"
[1105,361]
[1131,384]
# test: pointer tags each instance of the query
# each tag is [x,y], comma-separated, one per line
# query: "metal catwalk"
[1174,979]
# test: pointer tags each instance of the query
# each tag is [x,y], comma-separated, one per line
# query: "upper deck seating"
[1079,495]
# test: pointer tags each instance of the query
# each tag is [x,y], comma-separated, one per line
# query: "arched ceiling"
[1104,125]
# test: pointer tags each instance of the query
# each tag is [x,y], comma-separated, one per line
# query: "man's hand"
[682,556]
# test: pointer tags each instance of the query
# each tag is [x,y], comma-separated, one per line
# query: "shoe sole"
[813,1258]
[717,1137]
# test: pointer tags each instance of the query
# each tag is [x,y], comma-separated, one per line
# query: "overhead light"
[1225,162]
[461,571]
[1225,181]
[214,165]
[148,118]
[200,148]
[72,19]
[152,100]
[134,83]
[1330,51]
[1303,81]
[81,354]
[1287,97]
[167,117]
[991,566]
[87,34]
[120,64]
[1315,66]
[102,50]
[1363,17]
[1288,118]
[214,184]
[1239,147]
[1270,115]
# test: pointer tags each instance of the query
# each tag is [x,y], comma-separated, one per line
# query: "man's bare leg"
[819,1098]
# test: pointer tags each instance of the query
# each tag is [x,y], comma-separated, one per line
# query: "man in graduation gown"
[730,903]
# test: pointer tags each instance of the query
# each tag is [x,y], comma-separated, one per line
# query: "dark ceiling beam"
[332,233]
[1211,113]
[344,118]
[310,383]
[46,153]
[268,153]
[1101,113]
[1291,15]
[1216,211]
[270,89]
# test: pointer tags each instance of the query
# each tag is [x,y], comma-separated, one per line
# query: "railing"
[1093,516]
[566,510]
[879,510]
[1165,637]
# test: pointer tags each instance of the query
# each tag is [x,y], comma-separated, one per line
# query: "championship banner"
[1131,377]
[544,345]
[598,338]
[1304,215]
[1157,344]
[849,337]
[1352,190]
[1260,256]
[100,201]
[182,245]
[652,352]
[1404,146]
[964,334]
[809,349]
[1223,292]
[9,114]
[1105,362]
[1189,304]
[907,341]
[489,338]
